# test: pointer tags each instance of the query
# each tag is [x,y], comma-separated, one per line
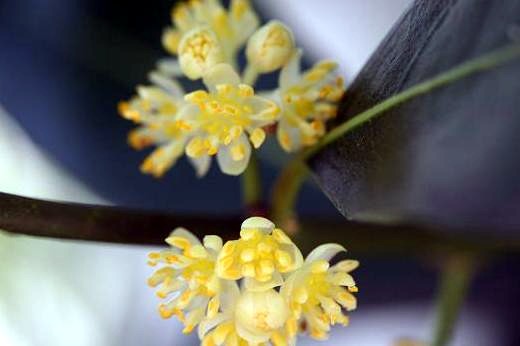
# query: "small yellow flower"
[232,26]
[318,294]
[261,316]
[250,318]
[202,283]
[156,108]
[188,275]
[261,254]
[223,121]
[228,117]
[307,101]
[270,47]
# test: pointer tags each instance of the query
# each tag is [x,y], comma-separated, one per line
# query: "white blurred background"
[70,293]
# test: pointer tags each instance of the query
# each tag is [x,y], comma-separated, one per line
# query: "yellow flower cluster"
[228,119]
[256,290]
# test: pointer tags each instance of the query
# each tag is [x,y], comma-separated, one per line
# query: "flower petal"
[208,324]
[229,295]
[324,252]
[182,232]
[290,73]
[290,280]
[193,318]
[168,84]
[346,299]
[234,158]
[220,74]
[252,338]
[342,279]
[253,285]
[189,113]
[297,256]
[265,111]
[170,67]
[201,164]
[144,136]
[289,137]
[170,40]
[243,20]
[257,222]
[345,266]
[213,242]
[163,158]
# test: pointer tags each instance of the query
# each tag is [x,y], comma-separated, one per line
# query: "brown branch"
[29,216]
[103,223]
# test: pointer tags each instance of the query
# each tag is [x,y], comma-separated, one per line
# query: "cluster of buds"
[256,290]
[228,120]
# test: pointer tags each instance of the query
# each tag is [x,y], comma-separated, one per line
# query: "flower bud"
[170,40]
[270,47]
[199,50]
[260,314]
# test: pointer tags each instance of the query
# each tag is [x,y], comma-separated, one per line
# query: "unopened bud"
[270,47]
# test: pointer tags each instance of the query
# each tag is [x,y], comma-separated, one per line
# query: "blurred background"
[64,66]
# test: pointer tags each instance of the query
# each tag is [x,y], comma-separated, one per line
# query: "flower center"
[199,46]
[223,114]
[261,312]
[256,255]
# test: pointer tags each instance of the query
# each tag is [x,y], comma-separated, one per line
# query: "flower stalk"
[251,186]
[292,177]
[485,62]
[456,276]
[250,75]
[285,192]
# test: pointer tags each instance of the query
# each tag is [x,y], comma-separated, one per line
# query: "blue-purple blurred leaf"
[450,159]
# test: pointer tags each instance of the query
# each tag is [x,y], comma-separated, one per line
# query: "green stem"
[455,281]
[285,190]
[482,63]
[251,183]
